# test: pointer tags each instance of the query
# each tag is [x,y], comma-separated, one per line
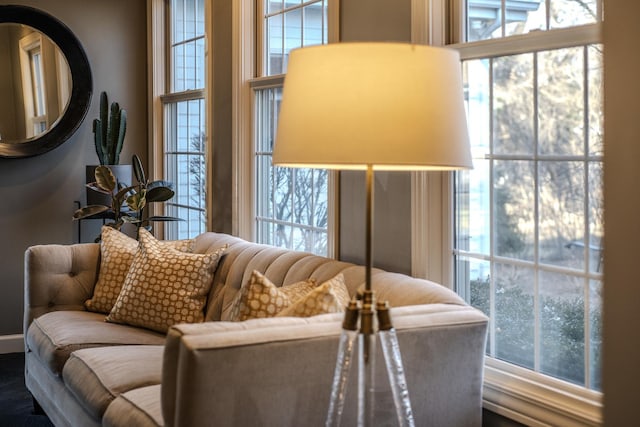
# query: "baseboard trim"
[11,343]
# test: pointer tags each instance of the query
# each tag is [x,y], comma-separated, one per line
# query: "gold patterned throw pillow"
[116,255]
[259,298]
[164,286]
[330,297]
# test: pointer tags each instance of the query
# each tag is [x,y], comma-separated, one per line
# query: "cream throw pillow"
[116,255]
[330,297]
[164,286]
[259,298]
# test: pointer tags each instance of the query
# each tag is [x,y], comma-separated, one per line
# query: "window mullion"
[587,219]
[492,267]
[537,336]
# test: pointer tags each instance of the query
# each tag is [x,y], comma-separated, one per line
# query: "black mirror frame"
[82,84]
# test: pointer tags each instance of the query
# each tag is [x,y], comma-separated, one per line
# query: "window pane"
[187,45]
[303,194]
[475,275]
[596,115]
[302,239]
[188,66]
[514,209]
[320,198]
[314,23]
[192,224]
[320,243]
[265,232]
[562,217]
[596,217]
[595,335]
[275,45]
[290,25]
[473,209]
[283,196]
[514,314]
[562,312]
[513,106]
[264,203]
[561,101]
[274,6]
[525,16]
[187,19]
[267,119]
[569,13]
[38,83]
[282,236]
[477,94]
[292,33]
[484,20]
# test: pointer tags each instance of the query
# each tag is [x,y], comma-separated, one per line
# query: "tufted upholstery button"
[51,304]
[72,274]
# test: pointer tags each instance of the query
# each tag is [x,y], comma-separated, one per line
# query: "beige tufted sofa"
[84,371]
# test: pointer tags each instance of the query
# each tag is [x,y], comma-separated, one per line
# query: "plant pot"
[123,174]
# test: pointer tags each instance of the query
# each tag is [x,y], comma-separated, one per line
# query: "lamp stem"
[366,349]
[369,229]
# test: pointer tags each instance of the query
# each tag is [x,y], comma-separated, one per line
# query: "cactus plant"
[109,131]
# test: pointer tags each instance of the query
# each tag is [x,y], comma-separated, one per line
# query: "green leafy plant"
[109,131]
[561,331]
[128,202]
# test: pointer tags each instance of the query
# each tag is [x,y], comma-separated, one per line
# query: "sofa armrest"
[58,277]
[279,371]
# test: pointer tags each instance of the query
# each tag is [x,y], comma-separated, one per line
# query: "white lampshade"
[391,106]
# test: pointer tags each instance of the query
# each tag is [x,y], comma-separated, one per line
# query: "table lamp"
[372,106]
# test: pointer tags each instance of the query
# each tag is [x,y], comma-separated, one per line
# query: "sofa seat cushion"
[55,335]
[139,407]
[96,376]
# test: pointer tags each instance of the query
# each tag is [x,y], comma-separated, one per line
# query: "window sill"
[537,400]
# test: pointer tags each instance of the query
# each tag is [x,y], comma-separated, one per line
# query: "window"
[31,65]
[291,205]
[529,216]
[184,119]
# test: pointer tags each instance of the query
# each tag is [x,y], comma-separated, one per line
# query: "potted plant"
[109,131]
[128,202]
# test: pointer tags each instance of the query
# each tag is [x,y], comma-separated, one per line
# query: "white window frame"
[246,43]
[511,391]
[33,92]
[158,35]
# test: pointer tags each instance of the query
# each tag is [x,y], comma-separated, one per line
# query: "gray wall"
[37,194]
[221,134]
[377,20]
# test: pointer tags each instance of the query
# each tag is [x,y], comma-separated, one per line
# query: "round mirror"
[45,89]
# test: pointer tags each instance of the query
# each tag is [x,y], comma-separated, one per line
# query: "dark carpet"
[16,405]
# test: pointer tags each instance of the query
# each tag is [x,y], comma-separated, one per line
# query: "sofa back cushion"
[285,267]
